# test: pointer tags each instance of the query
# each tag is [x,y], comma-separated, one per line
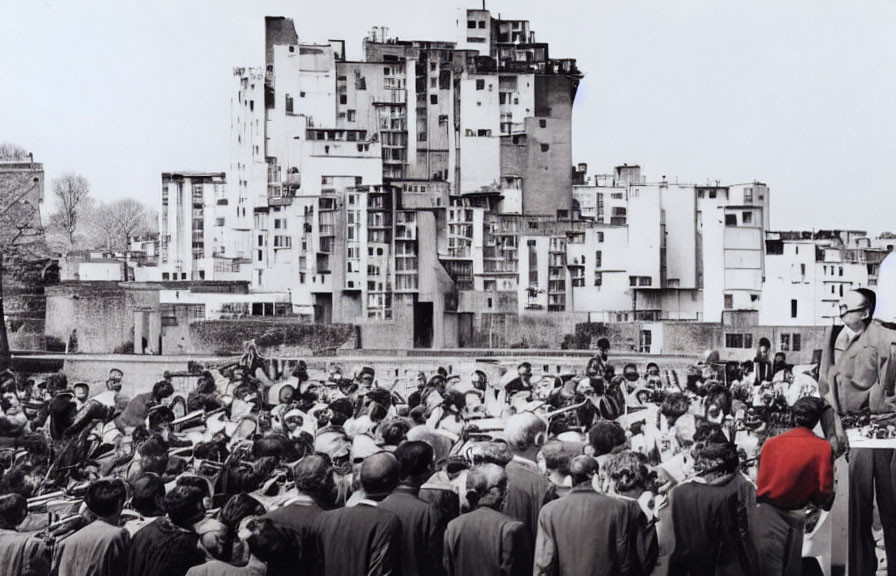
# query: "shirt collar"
[368,502]
[525,462]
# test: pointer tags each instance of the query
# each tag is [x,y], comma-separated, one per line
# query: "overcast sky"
[797,94]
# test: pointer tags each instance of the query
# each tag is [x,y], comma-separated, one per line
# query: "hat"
[362,447]
[366,371]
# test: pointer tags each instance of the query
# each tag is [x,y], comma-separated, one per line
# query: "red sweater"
[795,469]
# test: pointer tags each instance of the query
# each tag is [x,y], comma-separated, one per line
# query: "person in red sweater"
[795,470]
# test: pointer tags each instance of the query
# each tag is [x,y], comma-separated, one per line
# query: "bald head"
[582,469]
[524,431]
[486,486]
[380,474]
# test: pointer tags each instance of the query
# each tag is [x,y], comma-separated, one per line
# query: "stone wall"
[514,331]
[275,338]
[102,313]
[24,300]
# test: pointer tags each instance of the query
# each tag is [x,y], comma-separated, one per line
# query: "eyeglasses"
[844,309]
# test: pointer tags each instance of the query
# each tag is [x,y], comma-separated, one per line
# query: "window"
[288,104]
[164,276]
[803,269]
[734,340]
[480,84]
[433,99]
[545,147]
[598,259]
[645,281]
[729,302]
[542,123]
[712,193]
[730,219]
[219,221]
[793,308]
[796,342]
[600,236]
[747,217]
[748,195]
[482,24]
[351,115]
[785,342]
[840,271]
[471,24]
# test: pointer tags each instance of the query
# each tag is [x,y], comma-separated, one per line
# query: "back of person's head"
[524,431]
[341,410]
[415,459]
[582,469]
[720,458]
[268,542]
[106,496]
[13,510]
[162,389]
[312,473]
[184,505]
[209,451]
[215,537]
[154,445]
[197,482]
[719,395]
[628,471]
[707,432]
[268,446]
[238,507]
[674,406]
[486,485]
[807,411]
[147,493]
[380,474]
[159,416]
[395,431]
[604,436]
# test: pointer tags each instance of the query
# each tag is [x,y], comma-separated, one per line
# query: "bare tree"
[103,226]
[71,191]
[130,216]
[21,233]
[10,151]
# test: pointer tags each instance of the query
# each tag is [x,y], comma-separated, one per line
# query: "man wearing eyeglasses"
[856,376]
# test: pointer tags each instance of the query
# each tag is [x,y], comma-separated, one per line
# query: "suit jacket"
[713,526]
[864,366]
[364,540]
[487,543]
[299,520]
[583,533]
[98,549]
[527,492]
[422,535]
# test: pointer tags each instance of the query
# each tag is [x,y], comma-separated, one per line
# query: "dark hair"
[196,482]
[267,542]
[395,431]
[155,445]
[414,457]
[209,451]
[342,410]
[157,463]
[524,365]
[106,496]
[159,416]
[184,503]
[674,406]
[628,470]
[147,490]
[870,302]
[238,507]
[719,457]
[81,385]
[604,436]
[13,509]
[290,388]
[721,396]
[311,473]
[162,389]
[380,396]
[807,411]
[708,432]
[272,446]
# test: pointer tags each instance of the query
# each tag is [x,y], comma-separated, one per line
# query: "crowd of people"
[259,472]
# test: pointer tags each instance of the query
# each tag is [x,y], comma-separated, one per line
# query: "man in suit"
[298,516]
[856,376]
[485,541]
[422,534]
[583,532]
[527,489]
[365,540]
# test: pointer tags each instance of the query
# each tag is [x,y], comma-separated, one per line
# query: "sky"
[796,94]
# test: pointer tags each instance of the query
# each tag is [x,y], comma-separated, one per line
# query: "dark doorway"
[423,325]
[323,308]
